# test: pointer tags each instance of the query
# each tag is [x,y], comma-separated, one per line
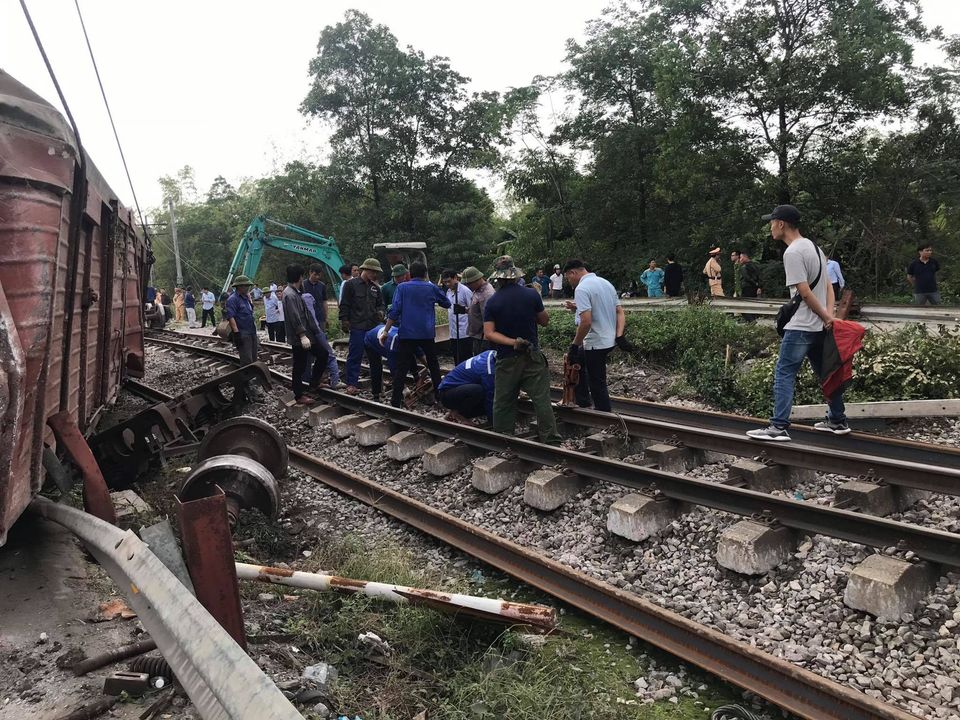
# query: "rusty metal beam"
[208,553]
[96,497]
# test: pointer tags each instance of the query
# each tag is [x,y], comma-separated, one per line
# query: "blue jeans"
[795,346]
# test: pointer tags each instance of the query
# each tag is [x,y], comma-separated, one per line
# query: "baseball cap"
[787,213]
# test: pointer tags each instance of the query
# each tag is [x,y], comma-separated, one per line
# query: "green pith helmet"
[399,270]
[241,280]
[471,274]
[371,264]
[504,269]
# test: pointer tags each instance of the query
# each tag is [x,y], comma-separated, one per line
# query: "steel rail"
[905,451]
[934,545]
[146,392]
[921,476]
[793,688]
[786,685]
[223,682]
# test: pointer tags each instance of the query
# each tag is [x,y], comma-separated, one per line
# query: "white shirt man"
[556,282]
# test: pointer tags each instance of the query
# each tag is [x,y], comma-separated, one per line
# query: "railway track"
[791,687]
[902,463]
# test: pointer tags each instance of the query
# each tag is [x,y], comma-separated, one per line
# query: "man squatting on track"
[805,266]
[467,391]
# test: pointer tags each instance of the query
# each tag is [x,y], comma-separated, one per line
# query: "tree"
[798,71]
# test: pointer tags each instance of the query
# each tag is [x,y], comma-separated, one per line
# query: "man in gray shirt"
[600,326]
[805,266]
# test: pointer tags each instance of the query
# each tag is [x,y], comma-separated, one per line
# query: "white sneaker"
[832,427]
[769,433]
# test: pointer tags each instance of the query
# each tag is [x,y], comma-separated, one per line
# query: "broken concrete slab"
[129,507]
[346,425]
[320,414]
[374,433]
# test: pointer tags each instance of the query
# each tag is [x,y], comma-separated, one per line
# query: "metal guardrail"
[222,681]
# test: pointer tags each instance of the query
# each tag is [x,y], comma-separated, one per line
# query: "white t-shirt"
[463,296]
[556,281]
[208,299]
[802,260]
[600,298]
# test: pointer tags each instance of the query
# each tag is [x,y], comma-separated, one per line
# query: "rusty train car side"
[72,275]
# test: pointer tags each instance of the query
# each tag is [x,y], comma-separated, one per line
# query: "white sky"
[216,84]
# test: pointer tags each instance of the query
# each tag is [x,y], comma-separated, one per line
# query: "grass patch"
[467,669]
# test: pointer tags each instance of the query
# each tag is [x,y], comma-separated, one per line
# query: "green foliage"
[910,363]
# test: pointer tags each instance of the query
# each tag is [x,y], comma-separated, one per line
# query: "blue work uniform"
[469,387]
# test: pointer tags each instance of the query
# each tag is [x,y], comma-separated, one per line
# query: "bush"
[909,363]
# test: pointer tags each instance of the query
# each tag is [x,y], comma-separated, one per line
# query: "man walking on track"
[600,325]
[239,311]
[510,322]
[207,301]
[361,308]
[302,330]
[805,266]
[414,310]
[712,272]
[190,305]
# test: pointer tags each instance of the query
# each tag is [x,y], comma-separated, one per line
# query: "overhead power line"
[113,125]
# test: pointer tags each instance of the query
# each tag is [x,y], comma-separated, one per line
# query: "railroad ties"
[885,477]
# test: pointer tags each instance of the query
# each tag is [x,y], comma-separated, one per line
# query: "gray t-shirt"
[600,298]
[802,260]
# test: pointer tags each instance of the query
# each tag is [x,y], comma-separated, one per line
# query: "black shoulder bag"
[789,309]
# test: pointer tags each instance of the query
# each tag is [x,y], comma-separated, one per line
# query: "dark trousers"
[407,359]
[468,400]
[461,348]
[836,291]
[277,331]
[355,353]
[480,345]
[300,359]
[593,380]
[207,314]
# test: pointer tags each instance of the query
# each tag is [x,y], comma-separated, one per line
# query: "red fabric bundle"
[840,344]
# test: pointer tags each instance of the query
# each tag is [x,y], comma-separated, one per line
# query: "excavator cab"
[401,252]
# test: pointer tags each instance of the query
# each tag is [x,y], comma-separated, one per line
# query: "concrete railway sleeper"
[782,683]
[911,465]
[933,545]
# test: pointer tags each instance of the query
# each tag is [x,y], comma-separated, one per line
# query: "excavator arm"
[249,252]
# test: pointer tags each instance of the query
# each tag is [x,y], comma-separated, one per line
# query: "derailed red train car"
[72,273]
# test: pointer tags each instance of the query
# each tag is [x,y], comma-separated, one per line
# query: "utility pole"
[176,247]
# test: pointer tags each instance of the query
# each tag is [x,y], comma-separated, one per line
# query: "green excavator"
[256,239]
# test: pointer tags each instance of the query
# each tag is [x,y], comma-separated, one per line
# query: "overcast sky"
[216,85]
